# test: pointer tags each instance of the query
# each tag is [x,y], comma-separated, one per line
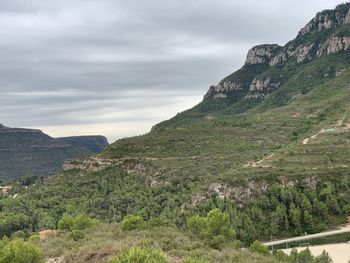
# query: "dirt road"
[340,253]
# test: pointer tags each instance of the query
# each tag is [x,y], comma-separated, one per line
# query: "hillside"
[32,152]
[264,155]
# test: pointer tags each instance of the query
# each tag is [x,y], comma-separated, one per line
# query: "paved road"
[300,238]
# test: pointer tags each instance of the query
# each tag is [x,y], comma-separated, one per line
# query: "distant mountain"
[32,152]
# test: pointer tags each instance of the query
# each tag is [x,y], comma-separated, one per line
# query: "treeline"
[111,195]
[287,211]
[108,195]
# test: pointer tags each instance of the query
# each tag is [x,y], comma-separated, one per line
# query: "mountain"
[273,75]
[264,155]
[32,152]
[281,122]
[280,97]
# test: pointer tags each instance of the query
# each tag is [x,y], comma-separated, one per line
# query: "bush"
[79,222]
[259,248]
[140,255]
[197,224]
[77,235]
[215,227]
[132,222]
[19,251]
[66,222]
[34,238]
[82,221]
[21,234]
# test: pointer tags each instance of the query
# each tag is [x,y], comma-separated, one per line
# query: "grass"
[106,240]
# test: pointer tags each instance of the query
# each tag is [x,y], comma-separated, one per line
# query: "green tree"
[308,221]
[305,256]
[323,258]
[19,251]
[140,255]
[295,217]
[282,216]
[215,227]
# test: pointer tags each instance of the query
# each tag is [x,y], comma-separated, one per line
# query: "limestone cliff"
[265,68]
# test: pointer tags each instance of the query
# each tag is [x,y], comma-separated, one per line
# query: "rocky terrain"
[265,68]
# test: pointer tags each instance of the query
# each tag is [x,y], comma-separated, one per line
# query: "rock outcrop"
[328,19]
[261,54]
[299,50]
[259,84]
[334,45]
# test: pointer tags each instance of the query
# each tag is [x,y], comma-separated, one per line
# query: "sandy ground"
[340,253]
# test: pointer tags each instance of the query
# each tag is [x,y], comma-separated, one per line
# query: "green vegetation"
[19,251]
[78,222]
[132,222]
[215,228]
[141,255]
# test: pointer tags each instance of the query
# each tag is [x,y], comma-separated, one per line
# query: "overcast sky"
[117,67]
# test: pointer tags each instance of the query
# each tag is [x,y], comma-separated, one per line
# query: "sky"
[118,67]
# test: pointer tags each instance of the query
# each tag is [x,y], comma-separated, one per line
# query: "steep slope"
[269,70]
[248,132]
[32,152]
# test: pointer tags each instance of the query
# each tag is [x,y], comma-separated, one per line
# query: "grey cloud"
[118,63]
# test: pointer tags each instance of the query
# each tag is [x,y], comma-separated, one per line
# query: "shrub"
[259,248]
[19,251]
[79,222]
[197,224]
[21,234]
[215,227]
[132,222]
[77,235]
[82,221]
[34,238]
[140,255]
[66,222]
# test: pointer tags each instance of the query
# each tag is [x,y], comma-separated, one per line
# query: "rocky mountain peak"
[328,19]
[327,33]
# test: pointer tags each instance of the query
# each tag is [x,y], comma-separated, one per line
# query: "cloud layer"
[117,67]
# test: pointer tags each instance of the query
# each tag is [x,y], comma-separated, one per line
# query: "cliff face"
[328,19]
[30,151]
[266,66]
[261,54]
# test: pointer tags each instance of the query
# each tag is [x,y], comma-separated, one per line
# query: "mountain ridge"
[31,151]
